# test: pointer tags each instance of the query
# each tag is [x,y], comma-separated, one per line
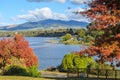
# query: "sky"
[20,11]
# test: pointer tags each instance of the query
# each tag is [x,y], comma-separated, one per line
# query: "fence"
[94,73]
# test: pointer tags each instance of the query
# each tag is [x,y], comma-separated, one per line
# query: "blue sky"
[20,11]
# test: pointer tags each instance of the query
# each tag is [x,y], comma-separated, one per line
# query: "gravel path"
[53,74]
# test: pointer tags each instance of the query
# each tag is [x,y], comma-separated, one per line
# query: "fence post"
[87,72]
[106,74]
[98,73]
[78,72]
[115,74]
[67,72]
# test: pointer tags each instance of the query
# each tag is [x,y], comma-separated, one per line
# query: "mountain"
[45,24]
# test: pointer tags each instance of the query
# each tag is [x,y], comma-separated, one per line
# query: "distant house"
[72,38]
[79,39]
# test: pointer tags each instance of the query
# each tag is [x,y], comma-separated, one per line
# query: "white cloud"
[40,14]
[75,10]
[61,1]
[4,24]
[77,17]
[59,16]
[74,14]
[79,1]
[47,13]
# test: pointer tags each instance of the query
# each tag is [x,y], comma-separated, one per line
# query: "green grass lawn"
[31,78]
[50,78]
[20,78]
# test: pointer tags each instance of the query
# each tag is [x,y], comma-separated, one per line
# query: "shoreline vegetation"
[69,36]
[39,33]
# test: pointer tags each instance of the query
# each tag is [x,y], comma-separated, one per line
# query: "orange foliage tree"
[19,48]
[5,52]
[104,15]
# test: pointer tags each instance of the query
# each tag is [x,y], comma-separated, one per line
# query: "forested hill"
[49,23]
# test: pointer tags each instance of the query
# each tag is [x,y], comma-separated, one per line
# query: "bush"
[66,37]
[33,72]
[21,71]
[51,68]
[102,70]
[60,68]
[15,70]
[76,62]
[67,62]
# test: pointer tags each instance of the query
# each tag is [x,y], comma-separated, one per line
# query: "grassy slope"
[30,78]
[20,78]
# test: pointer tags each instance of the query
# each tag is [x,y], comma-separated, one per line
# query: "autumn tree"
[105,15]
[5,53]
[16,48]
[21,49]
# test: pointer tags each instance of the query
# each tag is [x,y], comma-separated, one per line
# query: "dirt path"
[53,74]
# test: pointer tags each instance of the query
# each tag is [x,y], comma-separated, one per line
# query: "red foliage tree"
[105,15]
[19,48]
[5,53]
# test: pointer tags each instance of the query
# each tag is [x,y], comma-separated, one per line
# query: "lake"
[50,54]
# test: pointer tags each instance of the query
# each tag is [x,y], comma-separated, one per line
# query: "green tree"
[73,61]
[81,33]
[66,37]
[94,33]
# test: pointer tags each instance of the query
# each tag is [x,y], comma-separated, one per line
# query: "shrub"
[66,37]
[33,71]
[15,70]
[102,69]
[67,62]
[21,71]
[60,68]
[51,68]
[76,62]
[105,67]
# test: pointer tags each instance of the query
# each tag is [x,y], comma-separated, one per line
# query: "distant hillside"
[45,24]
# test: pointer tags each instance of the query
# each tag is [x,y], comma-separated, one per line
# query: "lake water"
[50,54]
